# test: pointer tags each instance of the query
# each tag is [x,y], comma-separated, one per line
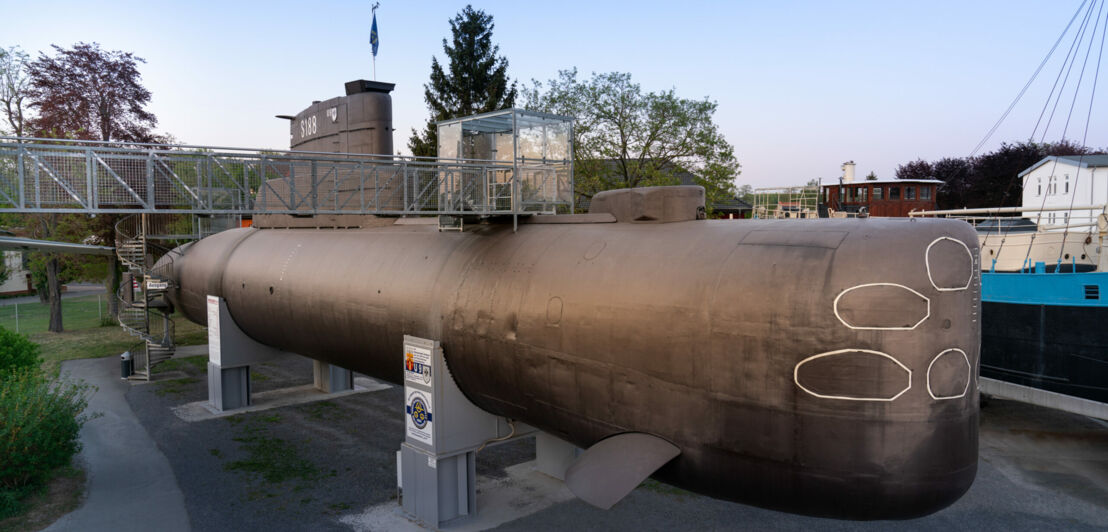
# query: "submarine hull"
[825,367]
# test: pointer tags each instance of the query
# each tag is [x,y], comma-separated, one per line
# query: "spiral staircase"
[142,240]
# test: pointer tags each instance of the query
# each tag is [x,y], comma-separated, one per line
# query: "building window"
[1067,183]
[876,193]
[909,193]
[1040,192]
[924,193]
[894,193]
[862,194]
[827,196]
[1052,186]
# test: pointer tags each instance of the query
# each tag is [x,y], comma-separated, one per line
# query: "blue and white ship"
[1044,287]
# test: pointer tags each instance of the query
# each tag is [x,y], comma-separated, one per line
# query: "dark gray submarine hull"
[818,367]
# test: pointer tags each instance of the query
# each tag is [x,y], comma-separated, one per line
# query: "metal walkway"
[44,175]
[178,193]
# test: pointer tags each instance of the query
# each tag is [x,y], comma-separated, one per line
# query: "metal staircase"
[144,311]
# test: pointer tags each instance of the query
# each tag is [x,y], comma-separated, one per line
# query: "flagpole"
[374,51]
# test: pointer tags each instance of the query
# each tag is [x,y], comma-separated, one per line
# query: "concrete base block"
[330,378]
[228,388]
[437,490]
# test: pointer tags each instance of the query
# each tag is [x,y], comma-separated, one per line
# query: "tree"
[13,86]
[990,179]
[476,80]
[872,176]
[917,169]
[955,173]
[745,192]
[90,94]
[624,137]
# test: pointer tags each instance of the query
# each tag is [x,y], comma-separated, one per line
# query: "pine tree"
[476,82]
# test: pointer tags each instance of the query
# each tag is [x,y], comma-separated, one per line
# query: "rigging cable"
[1070,55]
[1068,60]
[1029,81]
[1085,135]
[1069,115]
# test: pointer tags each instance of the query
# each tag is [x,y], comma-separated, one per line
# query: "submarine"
[823,367]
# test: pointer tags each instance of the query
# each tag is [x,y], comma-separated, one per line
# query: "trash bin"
[126,365]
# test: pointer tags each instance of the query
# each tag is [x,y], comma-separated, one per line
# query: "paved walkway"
[130,483]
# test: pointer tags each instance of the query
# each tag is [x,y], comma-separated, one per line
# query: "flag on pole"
[373,35]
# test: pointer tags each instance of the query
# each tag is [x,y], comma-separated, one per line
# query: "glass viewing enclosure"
[536,155]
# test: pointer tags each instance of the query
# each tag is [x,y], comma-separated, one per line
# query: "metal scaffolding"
[786,202]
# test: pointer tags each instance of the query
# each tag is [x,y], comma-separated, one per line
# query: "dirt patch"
[62,495]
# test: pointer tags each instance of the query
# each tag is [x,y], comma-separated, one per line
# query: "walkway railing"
[44,175]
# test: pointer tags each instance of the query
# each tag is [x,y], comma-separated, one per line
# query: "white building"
[18,281]
[1066,181]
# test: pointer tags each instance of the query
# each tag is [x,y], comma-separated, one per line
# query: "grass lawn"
[104,341]
[84,336]
[77,313]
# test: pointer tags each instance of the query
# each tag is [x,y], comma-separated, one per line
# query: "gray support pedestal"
[330,378]
[436,465]
[231,353]
[553,456]
[441,488]
[228,388]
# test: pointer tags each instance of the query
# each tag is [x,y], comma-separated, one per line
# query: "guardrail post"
[315,186]
[90,179]
[209,178]
[261,205]
[377,188]
[150,196]
[22,177]
[38,187]
[405,180]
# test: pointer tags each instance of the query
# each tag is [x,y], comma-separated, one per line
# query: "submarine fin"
[610,469]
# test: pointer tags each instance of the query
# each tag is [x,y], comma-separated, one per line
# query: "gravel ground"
[291,468]
[303,467]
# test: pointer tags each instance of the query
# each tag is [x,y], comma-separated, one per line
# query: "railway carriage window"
[925,193]
[894,193]
[877,193]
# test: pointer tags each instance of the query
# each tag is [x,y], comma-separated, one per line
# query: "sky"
[801,86]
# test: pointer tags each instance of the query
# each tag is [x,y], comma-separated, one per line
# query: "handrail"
[46,175]
[210,150]
[1003,210]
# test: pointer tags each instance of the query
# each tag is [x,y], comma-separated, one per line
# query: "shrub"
[40,420]
[17,352]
